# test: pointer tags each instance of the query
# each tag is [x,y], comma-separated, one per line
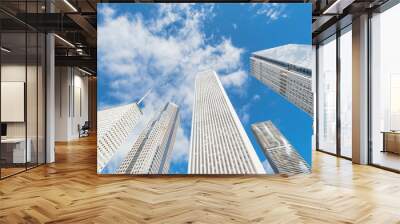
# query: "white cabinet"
[17,146]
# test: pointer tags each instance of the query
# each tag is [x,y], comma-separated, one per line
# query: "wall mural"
[204,89]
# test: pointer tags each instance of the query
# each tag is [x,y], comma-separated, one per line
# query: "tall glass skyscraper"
[113,127]
[287,71]
[151,153]
[219,143]
[283,158]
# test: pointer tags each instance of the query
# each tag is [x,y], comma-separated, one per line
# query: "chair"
[84,130]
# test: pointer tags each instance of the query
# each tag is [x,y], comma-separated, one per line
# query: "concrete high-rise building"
[151,153]
[113,127]
[219,143]
[287,70]
[281,155]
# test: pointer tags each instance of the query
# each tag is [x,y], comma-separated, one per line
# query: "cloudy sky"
[162,47]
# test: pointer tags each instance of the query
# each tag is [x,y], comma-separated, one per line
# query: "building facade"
[287,71]
[151,153]
[281,155]
[113,127]
[219,143]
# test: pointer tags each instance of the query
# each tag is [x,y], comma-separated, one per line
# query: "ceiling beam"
[81,61]
[337,7]
[84,24]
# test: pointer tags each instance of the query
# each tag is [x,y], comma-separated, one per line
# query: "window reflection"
[385,89]
[327,95]
[346,92]
[22,90]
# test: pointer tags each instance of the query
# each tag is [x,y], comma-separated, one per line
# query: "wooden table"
[391,141]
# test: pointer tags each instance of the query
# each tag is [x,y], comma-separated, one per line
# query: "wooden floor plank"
[70,191]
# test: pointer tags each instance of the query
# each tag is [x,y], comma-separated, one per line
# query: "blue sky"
[144,46]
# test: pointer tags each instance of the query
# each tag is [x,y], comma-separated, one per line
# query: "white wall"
[80,104]
[71,87]
[12,100]
[14,73]
[17,73]
[33,125]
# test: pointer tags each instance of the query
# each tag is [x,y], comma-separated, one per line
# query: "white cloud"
[106,11]
[244,113]
[244,110]
[245,118]
[272,11]
[237,78]
[164,52]
[181,148]
[256,97]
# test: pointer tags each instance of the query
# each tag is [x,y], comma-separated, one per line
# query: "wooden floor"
[5,172]
[387,159]
[70,191]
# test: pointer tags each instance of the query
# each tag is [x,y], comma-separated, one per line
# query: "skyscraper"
[113,127]
[283,158]
[151,153]
[287,71]
[219,144]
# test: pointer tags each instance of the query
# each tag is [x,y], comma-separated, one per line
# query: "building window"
[346,92]
[22,102]
[385,89]
[327,95]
